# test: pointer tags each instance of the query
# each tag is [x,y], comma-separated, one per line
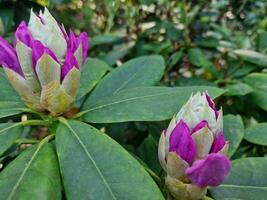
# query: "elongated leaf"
[148,152]
[246,181]
[10,102]
[92,71]
[238,89]
[142,104]
[33,175]
[252,57]
[9,132]
[258,82]
[233,130]
[198,58]
[143,71]
[96,167]
[257,134]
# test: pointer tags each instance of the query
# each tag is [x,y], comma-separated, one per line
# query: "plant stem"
[34,123]
[26,141]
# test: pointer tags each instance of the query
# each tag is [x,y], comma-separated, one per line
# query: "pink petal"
[182,143]
[218,143]
[24,35]
[74,43]
[210,171]
[38,50]
[212,105]
[8,57]
[199,126]
[69,63]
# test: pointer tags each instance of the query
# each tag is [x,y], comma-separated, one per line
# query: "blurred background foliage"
[220,43]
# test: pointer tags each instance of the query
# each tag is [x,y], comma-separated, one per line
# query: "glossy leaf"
[141,104]
[96,167]
[239,89]
[9,132]
[233,131]
[148,152]
[252,57]
[143,71]
[198,58]
[92,71]
[10,102]
[258,82]
[34,174]
[246,181]
[257,134]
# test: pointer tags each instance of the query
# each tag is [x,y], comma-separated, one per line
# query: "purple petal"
[8,56]
[218,143]
[69,63]
[83,39]
[182,143]
[212,105]
[210,171]
[38,49]
[74,43]
[62,28]
[24,35]
[199,126]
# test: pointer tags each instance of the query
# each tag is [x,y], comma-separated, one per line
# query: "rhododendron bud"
[44,65]
[193,151]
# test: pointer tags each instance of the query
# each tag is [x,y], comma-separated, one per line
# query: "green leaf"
[258,82]
[233,131]
[252,57]
[246,181]
[115,54]
[105,39]
[34,174]
[92,71]
[239,89]
[7,15]
[148,152]
[9,132]
[141,104]
[197,58]
[10,102]
[257,134]
[143,71]
[96,167]
[262,41]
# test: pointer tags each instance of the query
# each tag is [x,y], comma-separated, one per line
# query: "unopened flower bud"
[44,65]
[192,150]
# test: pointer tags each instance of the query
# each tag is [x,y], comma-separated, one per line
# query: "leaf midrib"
[9,127]
[243,186]
[125,100]
[24,172]
[91,159]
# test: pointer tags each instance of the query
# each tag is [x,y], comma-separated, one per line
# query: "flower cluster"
[192,150]
[44,65]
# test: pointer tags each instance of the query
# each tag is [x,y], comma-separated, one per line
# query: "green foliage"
[146,58]
[246,180]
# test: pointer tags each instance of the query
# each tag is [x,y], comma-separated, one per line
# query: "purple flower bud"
[74,43]
[210,171]
[44,43]
[195,135]
[38,49]
[24,35]
[8,56]
[218,143]
[69,63]
[182,143]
